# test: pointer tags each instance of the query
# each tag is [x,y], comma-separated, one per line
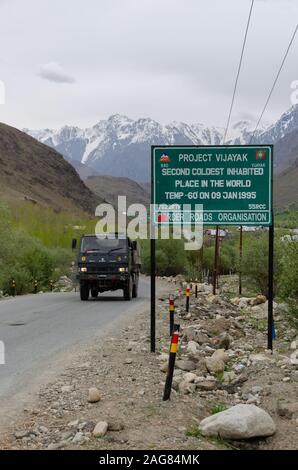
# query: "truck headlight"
[83,270]
[122,270]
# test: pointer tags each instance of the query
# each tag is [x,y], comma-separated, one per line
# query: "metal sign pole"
[152,266]
[240,260]
[270,286]
[153,294]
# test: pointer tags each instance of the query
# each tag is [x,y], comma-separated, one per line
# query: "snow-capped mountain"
[120,146]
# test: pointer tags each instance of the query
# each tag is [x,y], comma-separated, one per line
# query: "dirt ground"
[131,381]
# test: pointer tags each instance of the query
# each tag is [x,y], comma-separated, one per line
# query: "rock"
[256,389]
[228,377]
[191,334]
[128,361]
[239,422]
[244,302]
[293,345]
[286,409]
[164,367]
[206,385]
[214,365]
[66,388]
[55,445]
[186,365]
[78,438]
[186,387]
[73,424]
[258,312]
[224,341]
[93,395]
[294,358]
[189,377]
[66,435]
[115,425]
[260,299]
[259,357]
[21,434]
[220,354]
[192,347]
[100,429]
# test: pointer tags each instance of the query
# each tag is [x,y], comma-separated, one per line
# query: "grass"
[217,408]
[217,440]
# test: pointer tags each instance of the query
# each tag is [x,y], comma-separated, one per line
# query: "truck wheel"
[135,288]
[84,291]
[94,293]
[127,291]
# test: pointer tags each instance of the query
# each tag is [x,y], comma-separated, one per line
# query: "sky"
[76,62]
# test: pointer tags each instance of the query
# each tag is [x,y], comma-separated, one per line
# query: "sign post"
[233,183]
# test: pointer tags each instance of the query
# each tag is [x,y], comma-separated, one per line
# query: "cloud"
[54,73]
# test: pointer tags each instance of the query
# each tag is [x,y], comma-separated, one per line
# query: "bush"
[255,262]
[25,259]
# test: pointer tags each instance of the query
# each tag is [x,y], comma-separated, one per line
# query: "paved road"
[34,327]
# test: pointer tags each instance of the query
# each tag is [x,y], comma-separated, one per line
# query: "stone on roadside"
[192,347]
[93,395]
[189,377]
[259,299]
[66,388]
[100,429]
[115,425]
[286,408]
[186,365]
[239,422]
[186,387]
[294,358]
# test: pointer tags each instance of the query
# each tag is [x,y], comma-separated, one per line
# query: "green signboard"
[214,185]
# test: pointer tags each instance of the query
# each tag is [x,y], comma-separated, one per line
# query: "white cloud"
[54,73]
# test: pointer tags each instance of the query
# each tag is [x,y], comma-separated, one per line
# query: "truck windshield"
[105,245]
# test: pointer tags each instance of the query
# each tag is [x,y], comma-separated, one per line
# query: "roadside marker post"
[51,285]
[171,366]
[172,313]
[13,284]
[35,286]
[196,291]
[187,292]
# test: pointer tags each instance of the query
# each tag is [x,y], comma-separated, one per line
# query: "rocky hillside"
[31,170]
[110,187]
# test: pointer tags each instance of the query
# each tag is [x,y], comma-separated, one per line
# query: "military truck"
[108,264]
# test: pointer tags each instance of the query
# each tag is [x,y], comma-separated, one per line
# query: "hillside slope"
[286,187]
[110,187]
[34,171]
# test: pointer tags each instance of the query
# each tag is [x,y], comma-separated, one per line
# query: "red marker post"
[187,292]
[171,366]
[172,313]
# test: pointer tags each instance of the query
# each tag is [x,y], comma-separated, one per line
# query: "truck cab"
[108,264]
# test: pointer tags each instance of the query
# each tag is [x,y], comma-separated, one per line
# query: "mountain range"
[120,146]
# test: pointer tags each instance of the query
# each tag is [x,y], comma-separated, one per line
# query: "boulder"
[192,347]
[214,365]
[93,395]
[286,408]
[294,358]
[239,422]
[190,377]
[186,387]
[186,365]
[259,299]
[100,429]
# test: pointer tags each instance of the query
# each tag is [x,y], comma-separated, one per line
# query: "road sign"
[232,183]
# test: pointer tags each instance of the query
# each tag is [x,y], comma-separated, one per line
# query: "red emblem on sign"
[162,218]
[260,154]
[164,158]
